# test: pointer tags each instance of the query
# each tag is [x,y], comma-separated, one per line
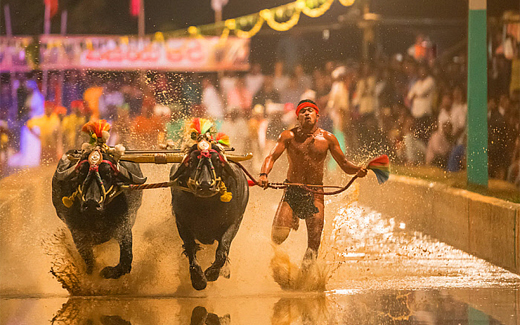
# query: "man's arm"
[340,158]
[277,151]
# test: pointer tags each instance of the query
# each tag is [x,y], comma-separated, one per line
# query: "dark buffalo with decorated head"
[87,197]
[208,202]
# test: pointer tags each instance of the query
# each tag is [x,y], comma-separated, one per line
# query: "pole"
[9,33]
[477,159]
[46,31]
[368,32]
[47,20]
[218,16]
[141,22]
[7,15]
[63,31]
[218,19]
[63,27]
[59,95]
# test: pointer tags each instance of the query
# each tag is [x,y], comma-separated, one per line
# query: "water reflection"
[200,316]
[428,307]
[79,311]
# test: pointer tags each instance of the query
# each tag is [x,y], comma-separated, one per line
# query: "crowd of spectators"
[411,107]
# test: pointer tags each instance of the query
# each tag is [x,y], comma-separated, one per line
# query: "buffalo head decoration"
[96,177]
[202,170]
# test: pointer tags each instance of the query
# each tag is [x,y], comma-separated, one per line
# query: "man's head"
[307,112]
[423,71]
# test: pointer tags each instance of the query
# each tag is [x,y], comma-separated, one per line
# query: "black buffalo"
[98,210]
[200,212]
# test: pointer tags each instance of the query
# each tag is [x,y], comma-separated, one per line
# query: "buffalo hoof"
[212,273]
[225,271]
[198,280]
[113,272]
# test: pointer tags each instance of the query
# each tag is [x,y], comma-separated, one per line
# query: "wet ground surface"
[371,270]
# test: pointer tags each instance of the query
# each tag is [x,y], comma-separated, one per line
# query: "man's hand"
[262,181]
[362,172]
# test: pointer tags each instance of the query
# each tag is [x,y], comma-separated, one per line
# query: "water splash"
[292,277]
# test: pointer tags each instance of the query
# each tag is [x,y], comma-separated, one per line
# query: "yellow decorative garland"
[281,27]
[253,31]
[316,12]
[347,3]
[269,15]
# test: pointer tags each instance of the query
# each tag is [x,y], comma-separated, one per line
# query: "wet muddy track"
[370,270]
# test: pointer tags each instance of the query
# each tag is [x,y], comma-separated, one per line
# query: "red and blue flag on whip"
[381,167]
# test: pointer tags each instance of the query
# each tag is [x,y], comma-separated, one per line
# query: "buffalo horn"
[237,158]
[62,173]
[180,170]
[126,176]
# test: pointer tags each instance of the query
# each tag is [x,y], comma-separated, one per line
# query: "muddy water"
[370,270]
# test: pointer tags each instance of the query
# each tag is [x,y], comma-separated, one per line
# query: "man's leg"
[314,228]
[282,223]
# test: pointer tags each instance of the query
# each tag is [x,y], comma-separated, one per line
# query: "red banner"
[122,53]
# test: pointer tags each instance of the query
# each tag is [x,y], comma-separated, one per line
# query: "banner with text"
[13,55]
[124,53]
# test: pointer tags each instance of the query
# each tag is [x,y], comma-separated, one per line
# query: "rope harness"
[316,189]
[192,183]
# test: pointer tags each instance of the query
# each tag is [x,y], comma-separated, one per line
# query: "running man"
[307,147]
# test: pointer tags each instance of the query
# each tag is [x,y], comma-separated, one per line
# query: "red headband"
[306,104]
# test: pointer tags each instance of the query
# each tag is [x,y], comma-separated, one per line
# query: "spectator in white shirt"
[365,100]
[212,100]
[280,80]
[227,83]
[304,80]
[338,104]
[441,142]
[459,111]
[254,79]
[420,97]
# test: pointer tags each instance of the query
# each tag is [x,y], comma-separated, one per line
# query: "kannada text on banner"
[123,53]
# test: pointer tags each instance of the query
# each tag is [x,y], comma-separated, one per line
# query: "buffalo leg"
[84,247]
[125,258]
[212,273]
[198,279]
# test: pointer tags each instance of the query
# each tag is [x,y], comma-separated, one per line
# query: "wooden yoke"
[165,158]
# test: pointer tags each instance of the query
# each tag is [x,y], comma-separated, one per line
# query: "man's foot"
[309,258]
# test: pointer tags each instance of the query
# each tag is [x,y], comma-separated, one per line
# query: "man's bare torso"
[306,154]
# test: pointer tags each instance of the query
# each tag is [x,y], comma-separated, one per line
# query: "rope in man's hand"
[380,166]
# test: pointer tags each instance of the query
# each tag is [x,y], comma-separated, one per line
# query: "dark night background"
[112,17]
